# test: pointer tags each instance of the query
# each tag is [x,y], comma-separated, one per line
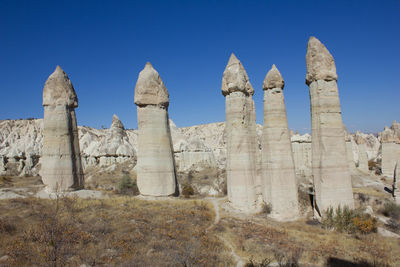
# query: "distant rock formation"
[156,174]
[301,147]
[390,150]
[104,148]
[240,137]
[330,170]
[279,177]
[61,161]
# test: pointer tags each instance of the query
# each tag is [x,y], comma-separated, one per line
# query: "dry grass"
[17,182]
[370,192]
[121,231]
[310,244]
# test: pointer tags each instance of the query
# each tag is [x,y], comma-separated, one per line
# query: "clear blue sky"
[103,45]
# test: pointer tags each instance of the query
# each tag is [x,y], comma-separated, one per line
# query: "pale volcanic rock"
[362,158]
[273,79]
[156,175]
[301,147]
[371,142]
[352,158]
[58,90]
[240,140]
[150,89]
[390,149]
[278,170]
[320,63]
[330,170]
[61,162]
[235,78]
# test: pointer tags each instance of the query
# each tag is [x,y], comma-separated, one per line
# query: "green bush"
[350,221]
[127,186]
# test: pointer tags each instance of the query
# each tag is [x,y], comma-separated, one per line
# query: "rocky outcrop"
[240,140]
[301,147]
[155,162]
[371,142]
[61,161]
[107,147]
[390,148]
[330,170]
[362,158]
[277,164]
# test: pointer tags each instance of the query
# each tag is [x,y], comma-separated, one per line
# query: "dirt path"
[238,259]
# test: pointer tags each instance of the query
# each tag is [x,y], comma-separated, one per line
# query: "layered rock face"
[240,137]
[390,149]
[279,177]
[301,147]
[329,162]
[61,161]
[350,152]
[155,162]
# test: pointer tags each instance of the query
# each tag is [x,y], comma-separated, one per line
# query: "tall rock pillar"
[279,176]
[155,163]
[330,169]
[61,159]
[241,140]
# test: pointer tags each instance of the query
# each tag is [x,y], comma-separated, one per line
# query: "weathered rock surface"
[390,148]
[156,174]
[241,149]
[106,147]
[301,147]
[195,147]
[330,170]
[61,161]
[277,164]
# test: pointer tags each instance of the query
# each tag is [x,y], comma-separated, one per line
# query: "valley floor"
[122,230]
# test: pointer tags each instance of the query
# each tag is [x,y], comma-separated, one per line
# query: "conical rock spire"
[150,89]
[273,79]
[235,78]
[58,90]
[320,63]
[116,123]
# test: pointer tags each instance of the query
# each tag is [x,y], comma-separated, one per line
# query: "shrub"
[6,227]
[365,224]
[350,221]
[392,210]
[263,263]
[266,208]
[187,190]
[288,258]
[127,186]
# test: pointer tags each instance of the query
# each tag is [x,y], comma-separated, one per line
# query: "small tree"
[127,186]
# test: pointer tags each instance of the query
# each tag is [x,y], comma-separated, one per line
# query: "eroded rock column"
[390,148]
[241,139]
[279,177]
[61,161]
[329,162]
[155,163]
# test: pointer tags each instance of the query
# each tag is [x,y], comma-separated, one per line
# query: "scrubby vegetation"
[187,190]
[391,209]
[350,221]
[128,186]
[119,231]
